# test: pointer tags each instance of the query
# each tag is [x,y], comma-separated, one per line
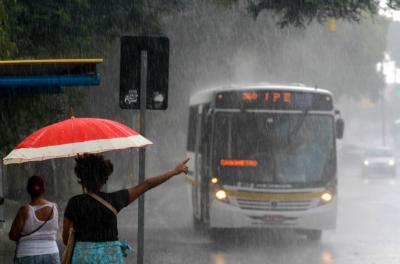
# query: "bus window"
[222,137]
[205,133]
[191,137]
[272,152]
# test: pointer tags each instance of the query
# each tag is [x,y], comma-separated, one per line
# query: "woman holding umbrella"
[93,215]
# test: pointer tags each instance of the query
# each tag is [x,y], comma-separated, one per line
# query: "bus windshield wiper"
[298,125]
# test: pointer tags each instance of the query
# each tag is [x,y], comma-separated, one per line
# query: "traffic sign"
[157,49]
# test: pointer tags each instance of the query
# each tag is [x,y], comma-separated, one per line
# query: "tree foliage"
[59,29]
[394,4]
[85,26]
[62,28]
[301,12]
[7,46]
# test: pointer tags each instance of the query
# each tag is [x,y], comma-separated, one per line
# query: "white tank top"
[43,241]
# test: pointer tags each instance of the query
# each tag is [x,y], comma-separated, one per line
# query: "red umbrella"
[75,136]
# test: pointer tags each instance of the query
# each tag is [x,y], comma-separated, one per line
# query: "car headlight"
[392,162]
[366,162]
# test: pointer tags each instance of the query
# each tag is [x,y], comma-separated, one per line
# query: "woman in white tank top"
[35,227]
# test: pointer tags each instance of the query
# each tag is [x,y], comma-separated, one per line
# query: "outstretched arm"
[136,191]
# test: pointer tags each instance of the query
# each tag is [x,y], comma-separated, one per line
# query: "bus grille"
[274,205]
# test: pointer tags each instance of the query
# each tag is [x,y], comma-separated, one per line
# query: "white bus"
[264,156]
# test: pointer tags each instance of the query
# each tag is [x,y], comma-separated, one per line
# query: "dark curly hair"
[92,171]
[35,186]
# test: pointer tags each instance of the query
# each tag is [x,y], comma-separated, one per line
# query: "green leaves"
[301,12]
[60,28]
[7,46]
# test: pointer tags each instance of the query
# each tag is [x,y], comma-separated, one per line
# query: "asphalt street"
[367,230]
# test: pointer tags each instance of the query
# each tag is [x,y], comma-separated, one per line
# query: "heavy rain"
[288,110]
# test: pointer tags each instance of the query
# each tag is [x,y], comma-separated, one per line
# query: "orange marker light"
[238,163]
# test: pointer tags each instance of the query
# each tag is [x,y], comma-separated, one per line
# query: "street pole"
[3,184]
[383,117]
[142,154]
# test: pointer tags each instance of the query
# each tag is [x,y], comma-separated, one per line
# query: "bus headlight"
[221,195]
[392,162]
[366,162]
[326,197]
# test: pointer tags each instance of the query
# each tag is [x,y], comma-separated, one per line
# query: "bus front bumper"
[223,215]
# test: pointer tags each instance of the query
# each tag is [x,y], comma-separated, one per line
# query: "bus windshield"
[273,148]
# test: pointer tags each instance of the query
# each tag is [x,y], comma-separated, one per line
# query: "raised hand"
[182,167]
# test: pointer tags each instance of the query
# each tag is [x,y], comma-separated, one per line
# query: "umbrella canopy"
[75,136]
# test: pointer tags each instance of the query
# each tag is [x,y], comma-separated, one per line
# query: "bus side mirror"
[339,128]
[1,200]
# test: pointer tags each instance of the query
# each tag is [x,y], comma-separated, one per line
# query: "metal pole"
[142,154]
[383,118]
[2,194]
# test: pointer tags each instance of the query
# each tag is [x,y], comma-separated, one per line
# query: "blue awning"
[37,81]
[21,78]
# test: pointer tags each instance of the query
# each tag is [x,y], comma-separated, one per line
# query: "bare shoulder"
[24,211]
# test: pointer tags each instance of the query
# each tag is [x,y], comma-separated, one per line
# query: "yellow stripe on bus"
[263,196]
[260,196]
[274,196]
[95,60]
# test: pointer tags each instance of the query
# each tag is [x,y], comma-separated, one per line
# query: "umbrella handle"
[71,111]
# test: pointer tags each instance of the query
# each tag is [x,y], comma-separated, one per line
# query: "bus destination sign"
[274,100]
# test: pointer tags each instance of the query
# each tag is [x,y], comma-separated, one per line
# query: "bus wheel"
[314,235]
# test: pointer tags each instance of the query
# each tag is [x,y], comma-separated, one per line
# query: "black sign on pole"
[157,49]
[143,85]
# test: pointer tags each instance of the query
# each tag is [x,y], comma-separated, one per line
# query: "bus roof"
[208,95]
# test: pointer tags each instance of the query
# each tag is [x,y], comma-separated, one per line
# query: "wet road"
[367,232]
